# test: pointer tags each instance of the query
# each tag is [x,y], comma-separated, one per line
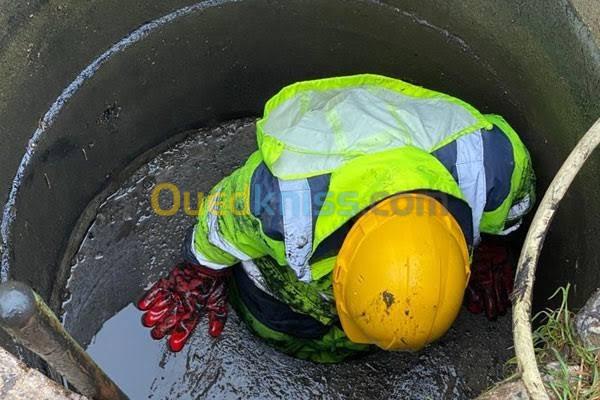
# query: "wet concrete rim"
[9,210]
[137,35]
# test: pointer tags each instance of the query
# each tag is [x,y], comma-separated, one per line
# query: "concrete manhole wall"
[87,88]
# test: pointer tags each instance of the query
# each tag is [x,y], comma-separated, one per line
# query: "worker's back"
[330,148]
[332,154]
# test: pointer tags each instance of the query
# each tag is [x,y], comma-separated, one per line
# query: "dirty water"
[128,246]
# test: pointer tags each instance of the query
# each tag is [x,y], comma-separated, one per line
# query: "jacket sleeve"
[524,200]
[226,232]
[522,196]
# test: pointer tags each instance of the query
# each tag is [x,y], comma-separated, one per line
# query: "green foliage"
[572,368]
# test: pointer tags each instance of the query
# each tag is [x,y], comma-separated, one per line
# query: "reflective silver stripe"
[256,276]
[471,176]
[201,258]
[519,209]
[511,229]
[296,209]
[215,237]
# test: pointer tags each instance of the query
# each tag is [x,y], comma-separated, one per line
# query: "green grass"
[573,368]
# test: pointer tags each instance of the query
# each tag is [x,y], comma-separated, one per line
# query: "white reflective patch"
[321,129]
[201,258]
[296,207]
[519,209]
[214,235]
[471,176]
[511,229]
[256,276]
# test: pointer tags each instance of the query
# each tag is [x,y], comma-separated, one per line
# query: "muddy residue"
[129,246]
[388,299]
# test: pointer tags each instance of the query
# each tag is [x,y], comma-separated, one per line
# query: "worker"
[354,223]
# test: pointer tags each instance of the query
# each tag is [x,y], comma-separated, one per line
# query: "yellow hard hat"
[401,273]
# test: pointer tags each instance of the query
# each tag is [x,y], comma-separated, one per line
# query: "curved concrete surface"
[90,89]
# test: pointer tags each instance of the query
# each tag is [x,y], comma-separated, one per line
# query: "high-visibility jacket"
[330,148]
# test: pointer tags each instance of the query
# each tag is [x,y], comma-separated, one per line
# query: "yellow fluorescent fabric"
[313,127]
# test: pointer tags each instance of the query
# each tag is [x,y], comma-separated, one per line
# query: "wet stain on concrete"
[109,118]
[59,150]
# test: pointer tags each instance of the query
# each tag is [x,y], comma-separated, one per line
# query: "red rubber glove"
[174,305]
[491,281]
